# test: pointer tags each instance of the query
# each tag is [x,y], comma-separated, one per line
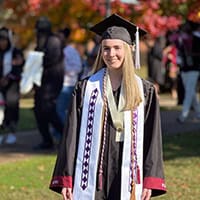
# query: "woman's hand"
[67,193]
[146,194]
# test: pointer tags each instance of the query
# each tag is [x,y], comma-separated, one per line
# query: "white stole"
[32,72]
[7,62]
[126,160]
[90,141]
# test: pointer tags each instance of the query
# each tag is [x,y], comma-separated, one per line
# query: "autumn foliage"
[156,16]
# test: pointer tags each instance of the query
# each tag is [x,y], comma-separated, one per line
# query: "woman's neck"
[115,78]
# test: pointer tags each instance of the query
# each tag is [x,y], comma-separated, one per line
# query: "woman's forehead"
[106,42]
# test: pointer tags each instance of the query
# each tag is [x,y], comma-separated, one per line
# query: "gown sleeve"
[153,157]
[65,164]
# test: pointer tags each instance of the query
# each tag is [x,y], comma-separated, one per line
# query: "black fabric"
[51,85]
[196,51]
[125,30]
[152,163]
[65,164]
[1,64]
[112,162]
[10,90]
[180,90]
[188,47]
[154,62]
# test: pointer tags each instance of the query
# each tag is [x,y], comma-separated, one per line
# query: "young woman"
[111,147]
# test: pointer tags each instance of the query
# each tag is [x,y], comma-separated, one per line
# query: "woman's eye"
[105,48]
[117,47]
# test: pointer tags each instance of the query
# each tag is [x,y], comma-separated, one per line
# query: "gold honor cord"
[117,114]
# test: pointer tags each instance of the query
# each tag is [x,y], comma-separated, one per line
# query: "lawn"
[30,178]
[182,163]
[27,179]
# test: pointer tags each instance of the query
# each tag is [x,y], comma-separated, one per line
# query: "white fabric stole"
[7,62]
[126,160]
[32,72]
[85,184]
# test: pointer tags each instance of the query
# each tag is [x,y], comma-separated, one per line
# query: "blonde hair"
[131,88]
[99,63]
[132,92]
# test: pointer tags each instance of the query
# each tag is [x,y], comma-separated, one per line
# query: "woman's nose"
[112,52]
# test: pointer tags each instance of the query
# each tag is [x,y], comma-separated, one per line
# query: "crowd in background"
[173,64]
[52,81]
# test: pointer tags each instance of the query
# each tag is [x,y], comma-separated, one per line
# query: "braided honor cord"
[100,173]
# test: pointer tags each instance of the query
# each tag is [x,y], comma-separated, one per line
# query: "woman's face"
[113,53]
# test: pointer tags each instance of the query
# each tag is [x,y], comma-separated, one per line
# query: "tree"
[156,16]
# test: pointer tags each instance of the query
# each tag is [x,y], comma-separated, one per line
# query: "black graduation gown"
[51,85]
[153,165]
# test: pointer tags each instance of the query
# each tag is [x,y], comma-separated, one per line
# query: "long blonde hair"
[131,88]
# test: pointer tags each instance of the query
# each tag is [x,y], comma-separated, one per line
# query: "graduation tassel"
[138,175]
[133,191]
[100,181]
[137,49]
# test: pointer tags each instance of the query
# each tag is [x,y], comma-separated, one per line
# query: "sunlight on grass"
[26,102]
[182,179]
[28,179]
[182,163]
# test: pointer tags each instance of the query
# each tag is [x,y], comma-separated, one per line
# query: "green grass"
[30,178]
[27,179]
[26,119]
[182,163]
[26,115]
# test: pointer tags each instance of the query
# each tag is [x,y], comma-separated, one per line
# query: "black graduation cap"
[116,27]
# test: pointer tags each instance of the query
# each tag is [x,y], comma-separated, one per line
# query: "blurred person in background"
[155,63]
[189,42]
[196,46]
[51,83]
[91,53]
[72,69]
[11,65]
[171,67]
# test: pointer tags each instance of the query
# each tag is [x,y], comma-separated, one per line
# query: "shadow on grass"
[175,145]
[181,145]
[27,138]
[26,141]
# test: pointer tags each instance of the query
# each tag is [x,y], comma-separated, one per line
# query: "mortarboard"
[116,27]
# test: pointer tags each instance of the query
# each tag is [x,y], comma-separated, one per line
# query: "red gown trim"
[61,181]
[154,183]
